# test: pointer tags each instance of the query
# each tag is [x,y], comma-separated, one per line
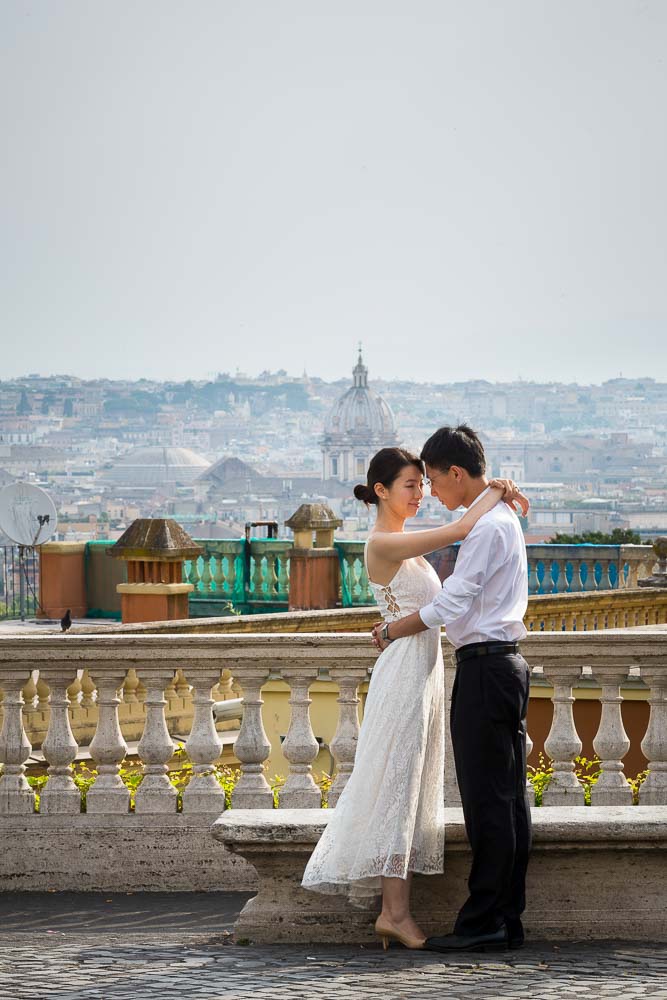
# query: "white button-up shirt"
[486,596]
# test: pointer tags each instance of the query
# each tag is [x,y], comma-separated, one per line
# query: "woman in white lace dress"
[389,819]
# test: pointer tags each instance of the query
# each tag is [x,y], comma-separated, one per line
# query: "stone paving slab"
[74,947]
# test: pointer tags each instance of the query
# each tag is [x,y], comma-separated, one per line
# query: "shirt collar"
[482,494]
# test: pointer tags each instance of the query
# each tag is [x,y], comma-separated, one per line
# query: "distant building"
[359,424]
[155,468]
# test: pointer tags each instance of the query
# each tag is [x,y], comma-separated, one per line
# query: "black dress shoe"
[514,932]
[493,941]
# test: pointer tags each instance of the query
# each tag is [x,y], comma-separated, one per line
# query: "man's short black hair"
[455,446]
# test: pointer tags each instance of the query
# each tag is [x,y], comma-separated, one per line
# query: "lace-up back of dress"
[415,584]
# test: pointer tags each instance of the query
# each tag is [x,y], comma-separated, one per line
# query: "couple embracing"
[389,820]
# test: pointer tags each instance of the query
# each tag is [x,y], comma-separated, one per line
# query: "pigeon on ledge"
[66,621]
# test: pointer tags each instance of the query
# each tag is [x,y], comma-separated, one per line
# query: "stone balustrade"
[97,668]
[106,845]
[591,611]
[233,575]
[564,569]
[247,574]
[552,569]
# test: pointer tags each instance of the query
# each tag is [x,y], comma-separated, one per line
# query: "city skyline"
[475,191]
[318,376]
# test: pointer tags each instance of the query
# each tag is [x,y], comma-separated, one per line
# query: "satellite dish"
[27,514]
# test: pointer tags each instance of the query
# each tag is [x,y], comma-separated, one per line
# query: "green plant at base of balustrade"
[587,773]
[37,782]
[131,774]
[232,610]
[324,782]
[635,785]
[539,777]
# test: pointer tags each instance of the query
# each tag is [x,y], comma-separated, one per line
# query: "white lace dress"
[389,819]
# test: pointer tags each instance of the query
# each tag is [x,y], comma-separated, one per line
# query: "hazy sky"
[473,189]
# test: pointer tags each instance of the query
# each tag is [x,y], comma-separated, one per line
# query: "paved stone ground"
[152,946]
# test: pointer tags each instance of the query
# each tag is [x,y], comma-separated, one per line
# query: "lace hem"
[362,891]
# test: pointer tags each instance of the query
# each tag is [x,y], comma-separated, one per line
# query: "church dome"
[157,466]
[360,413]
[359,424]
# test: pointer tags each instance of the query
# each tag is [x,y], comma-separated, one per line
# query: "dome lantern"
[360,373]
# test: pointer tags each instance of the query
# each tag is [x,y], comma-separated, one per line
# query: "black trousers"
[488,724]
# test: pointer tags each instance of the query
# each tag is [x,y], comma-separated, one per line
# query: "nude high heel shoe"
[388,933]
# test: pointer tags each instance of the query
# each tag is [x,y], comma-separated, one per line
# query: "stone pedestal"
[154,549]
[314,568]
[62,579]
[595,873]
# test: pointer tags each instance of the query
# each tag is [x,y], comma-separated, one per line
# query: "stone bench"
[594,873]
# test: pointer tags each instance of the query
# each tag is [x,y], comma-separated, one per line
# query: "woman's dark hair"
[455,446]
[385,468]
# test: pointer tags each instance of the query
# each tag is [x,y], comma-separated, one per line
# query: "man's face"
[446,486]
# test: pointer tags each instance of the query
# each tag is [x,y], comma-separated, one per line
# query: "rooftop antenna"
[28,517]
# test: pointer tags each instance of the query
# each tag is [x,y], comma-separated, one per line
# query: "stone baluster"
[60,794]
[218,575]
[611,742]
[300,746]
[252,746]
[553,575]
[587,570]
[344,743]
[87,690]
[203,793]
[260,573]
[130,687]
[654,745]
[191,572]
[357,570]
[108,794]
[206,576]
[74,690]
[283,574]
[561,583]
[181,686]
[29,693]
[575,583]
[230,576]
[225,687]
[155,794]
[43,694]
[16,795]
[605,579]
[563,743]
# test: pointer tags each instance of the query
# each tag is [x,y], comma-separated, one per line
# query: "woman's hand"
[511,494]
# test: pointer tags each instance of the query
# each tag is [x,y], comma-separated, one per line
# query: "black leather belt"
[476,649]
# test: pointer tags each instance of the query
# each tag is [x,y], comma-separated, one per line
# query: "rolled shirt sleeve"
[460,589]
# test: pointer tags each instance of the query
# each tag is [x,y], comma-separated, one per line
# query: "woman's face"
[403,498]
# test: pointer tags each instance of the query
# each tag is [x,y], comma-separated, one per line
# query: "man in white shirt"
[482,605]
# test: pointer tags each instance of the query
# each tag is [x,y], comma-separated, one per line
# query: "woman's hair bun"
[362,492]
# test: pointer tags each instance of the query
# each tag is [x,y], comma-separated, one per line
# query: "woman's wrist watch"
[384,633]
